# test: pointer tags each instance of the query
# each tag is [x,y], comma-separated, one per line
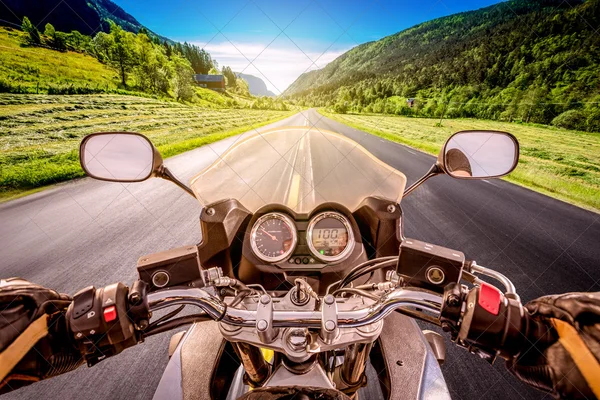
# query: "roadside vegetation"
[564,164]
[118,62]
[40,134]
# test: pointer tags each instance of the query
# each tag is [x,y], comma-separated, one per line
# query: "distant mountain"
[256,85]
[515,53]
[86,16]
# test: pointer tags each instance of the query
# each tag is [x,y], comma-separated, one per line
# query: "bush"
[571,119]
[341,107]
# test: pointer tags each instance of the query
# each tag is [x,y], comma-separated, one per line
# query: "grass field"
[40,134]
[560,163]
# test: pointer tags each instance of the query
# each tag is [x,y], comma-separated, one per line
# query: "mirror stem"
[433,171]
[163,172]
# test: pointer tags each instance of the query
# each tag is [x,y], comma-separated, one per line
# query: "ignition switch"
[299,296]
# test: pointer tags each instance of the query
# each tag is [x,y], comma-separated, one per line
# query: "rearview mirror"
[479,154]
[124,157]
[119,156]
[474,155]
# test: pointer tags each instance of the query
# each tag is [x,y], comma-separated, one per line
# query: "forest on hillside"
[534,61]
[141,60]
[132,63]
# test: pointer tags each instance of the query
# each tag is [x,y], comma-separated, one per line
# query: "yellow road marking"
[294,192]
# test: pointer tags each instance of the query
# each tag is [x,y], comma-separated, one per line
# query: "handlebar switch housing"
[99,322]
[492,324]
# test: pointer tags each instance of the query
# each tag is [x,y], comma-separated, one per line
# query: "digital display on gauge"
[329,237]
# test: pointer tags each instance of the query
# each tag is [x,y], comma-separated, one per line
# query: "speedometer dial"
[330,237]
[273,237]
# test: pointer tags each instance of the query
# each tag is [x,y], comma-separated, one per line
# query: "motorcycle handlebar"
[503,328]
[218,310]
[506,331]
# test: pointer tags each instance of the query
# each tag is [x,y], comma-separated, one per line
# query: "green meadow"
[561,163]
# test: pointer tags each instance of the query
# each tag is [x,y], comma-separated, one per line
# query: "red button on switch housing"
[489,298]
[110,313]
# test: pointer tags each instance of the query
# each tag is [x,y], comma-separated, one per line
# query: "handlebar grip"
[496,325]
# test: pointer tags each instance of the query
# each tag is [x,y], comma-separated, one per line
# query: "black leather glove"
[34,343]
[570,366]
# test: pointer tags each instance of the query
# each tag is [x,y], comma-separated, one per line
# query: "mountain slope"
[86,16]
[256,85]
[543,51]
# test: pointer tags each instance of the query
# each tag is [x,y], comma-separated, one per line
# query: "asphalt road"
[89,232]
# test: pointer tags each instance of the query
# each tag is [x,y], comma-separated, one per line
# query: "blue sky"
[279,40]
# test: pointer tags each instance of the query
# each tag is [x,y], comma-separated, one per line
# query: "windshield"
[300,168]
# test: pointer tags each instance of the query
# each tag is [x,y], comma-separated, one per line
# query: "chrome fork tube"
[254,363]
[355,361]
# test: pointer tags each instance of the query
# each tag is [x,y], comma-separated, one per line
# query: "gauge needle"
[273,237]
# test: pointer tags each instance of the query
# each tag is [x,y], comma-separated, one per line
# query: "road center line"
[294,191]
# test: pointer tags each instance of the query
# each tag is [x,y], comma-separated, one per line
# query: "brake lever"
[510,292]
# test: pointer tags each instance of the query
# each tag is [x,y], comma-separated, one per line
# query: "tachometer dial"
[329,236]
[273,237]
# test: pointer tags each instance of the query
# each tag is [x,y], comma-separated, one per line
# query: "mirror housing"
[119,157]
[479,154]
[123,157]
[474,155]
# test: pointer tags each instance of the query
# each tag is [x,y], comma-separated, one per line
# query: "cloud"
[278,67]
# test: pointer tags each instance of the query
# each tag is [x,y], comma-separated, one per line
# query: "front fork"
[256,367]
[349,377]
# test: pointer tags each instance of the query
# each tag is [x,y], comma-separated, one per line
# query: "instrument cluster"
[327,237]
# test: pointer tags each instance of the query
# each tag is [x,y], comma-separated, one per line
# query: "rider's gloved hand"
[570,366]
[34,343]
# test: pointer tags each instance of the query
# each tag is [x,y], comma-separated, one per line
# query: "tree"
[57,40]
[183,74]
[33,36]
[214,71]
[145,60]
[121,54]
[229,76]
[101,46]
[168,49]
[152,70]
[242,87]
[77,41]
[49,30]
[60,41]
